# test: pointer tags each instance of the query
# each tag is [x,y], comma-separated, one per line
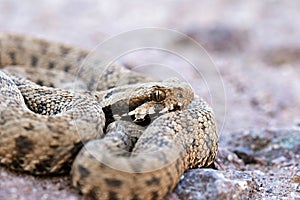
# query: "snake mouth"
[171,108]
[145,113]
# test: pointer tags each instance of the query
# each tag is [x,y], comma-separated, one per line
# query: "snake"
[122,135]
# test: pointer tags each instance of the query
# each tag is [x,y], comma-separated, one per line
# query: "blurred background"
[254,44]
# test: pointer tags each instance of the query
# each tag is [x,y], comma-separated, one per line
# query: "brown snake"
[43,129]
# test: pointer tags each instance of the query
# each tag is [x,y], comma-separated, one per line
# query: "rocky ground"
[255,45]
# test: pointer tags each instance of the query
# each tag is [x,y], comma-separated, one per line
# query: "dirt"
[256,48]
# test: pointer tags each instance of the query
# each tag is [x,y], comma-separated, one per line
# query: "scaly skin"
[41,128]
[164,151]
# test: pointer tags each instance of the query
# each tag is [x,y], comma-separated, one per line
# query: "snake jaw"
[172,107]
[156,108]
[164,110]
[140,112]
[179,104]
[151,111]
[151,108]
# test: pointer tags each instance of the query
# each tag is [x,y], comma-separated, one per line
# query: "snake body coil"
[48,130]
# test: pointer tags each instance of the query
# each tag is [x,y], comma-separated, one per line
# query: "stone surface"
[227,160]
[278,147]
[23,187]
[212,184]
[272,156]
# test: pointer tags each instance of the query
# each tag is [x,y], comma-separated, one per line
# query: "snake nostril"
[180,95]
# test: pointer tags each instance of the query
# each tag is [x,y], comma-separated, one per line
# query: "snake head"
[157,98]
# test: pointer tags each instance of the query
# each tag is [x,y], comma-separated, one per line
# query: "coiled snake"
[48,130]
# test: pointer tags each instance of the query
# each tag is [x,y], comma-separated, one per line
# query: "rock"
[212,184]
[278,147]
[296,176]
[253,140]
[227,159]
[272,156]
[247,155]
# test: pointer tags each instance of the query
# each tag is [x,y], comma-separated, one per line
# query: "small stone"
[269,190]
[212,184]
[296,176]
[279,160]
[245,154]
[298,189]
[13,190]
[227,160]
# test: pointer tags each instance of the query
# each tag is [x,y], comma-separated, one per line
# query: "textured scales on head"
[159,97]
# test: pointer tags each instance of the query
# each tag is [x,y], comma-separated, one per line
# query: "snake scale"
[47,130]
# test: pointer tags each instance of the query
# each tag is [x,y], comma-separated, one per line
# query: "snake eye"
[158,95]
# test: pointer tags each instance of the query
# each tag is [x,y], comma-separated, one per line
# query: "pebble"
[296,176]
[212,184]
